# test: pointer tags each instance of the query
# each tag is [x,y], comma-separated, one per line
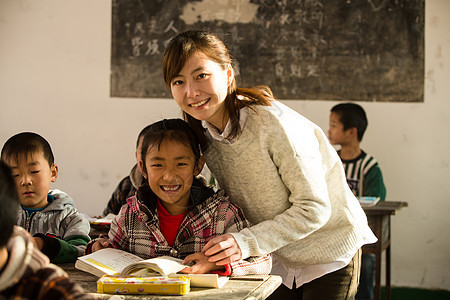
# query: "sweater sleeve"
[69,248]
[302,162]
[250,265]
[62,251]
[76,235]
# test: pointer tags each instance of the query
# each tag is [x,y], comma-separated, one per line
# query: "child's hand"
[38,242]
[201,266]
[100,244]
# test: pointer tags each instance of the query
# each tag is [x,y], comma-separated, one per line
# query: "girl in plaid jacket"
[176,214]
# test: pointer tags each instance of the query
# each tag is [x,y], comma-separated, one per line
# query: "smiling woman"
[200,88]
[275,164]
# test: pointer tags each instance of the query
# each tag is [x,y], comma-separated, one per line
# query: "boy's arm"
[75,235]
[373,184]
[62,250]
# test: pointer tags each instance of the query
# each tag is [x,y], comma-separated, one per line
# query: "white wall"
[54,80]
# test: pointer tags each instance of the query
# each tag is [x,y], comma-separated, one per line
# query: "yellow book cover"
[112,284]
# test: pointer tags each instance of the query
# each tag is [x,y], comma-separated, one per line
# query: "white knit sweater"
[289,180]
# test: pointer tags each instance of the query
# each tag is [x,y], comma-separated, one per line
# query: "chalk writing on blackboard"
[303,49]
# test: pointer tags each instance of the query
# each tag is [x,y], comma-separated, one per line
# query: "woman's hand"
[222,250]
[100,244]
[201,266]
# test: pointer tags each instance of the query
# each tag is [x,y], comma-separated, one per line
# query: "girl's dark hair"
[169,130]
[182,47]
[26,143]
[141,134]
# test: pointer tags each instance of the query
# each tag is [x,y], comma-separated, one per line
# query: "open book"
[112,261]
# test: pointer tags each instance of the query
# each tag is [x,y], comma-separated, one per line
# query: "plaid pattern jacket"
[136,228]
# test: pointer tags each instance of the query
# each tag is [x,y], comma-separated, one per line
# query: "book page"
[110,260]
[163,265]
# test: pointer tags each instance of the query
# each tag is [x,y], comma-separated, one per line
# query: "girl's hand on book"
[201,266]
[100,244]
[222,250]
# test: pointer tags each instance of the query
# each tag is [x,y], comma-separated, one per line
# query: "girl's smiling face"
[170,170]
[200,89]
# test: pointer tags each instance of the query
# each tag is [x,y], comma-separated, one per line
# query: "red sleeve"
[227,271]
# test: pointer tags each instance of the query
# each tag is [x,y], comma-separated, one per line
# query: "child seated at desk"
[176,214]
[50,216]
[25,273]
[348,122]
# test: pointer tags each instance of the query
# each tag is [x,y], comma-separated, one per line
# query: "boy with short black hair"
[25,273]
[348,122]
[58,229]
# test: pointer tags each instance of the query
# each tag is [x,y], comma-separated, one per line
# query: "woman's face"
[200,89]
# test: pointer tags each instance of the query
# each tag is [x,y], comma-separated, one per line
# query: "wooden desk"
[379,218]
[246,287]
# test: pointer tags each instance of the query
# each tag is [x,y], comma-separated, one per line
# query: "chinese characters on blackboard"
[302,49]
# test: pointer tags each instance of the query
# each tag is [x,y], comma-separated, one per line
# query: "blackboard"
[366,50]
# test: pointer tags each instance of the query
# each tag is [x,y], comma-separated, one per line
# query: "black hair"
[170,129]
[352,115]
[141,134]
[9,203]
[26,143]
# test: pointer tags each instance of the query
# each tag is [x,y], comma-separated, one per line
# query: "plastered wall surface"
[54,80]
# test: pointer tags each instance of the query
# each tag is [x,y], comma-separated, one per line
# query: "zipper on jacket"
[28,222]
